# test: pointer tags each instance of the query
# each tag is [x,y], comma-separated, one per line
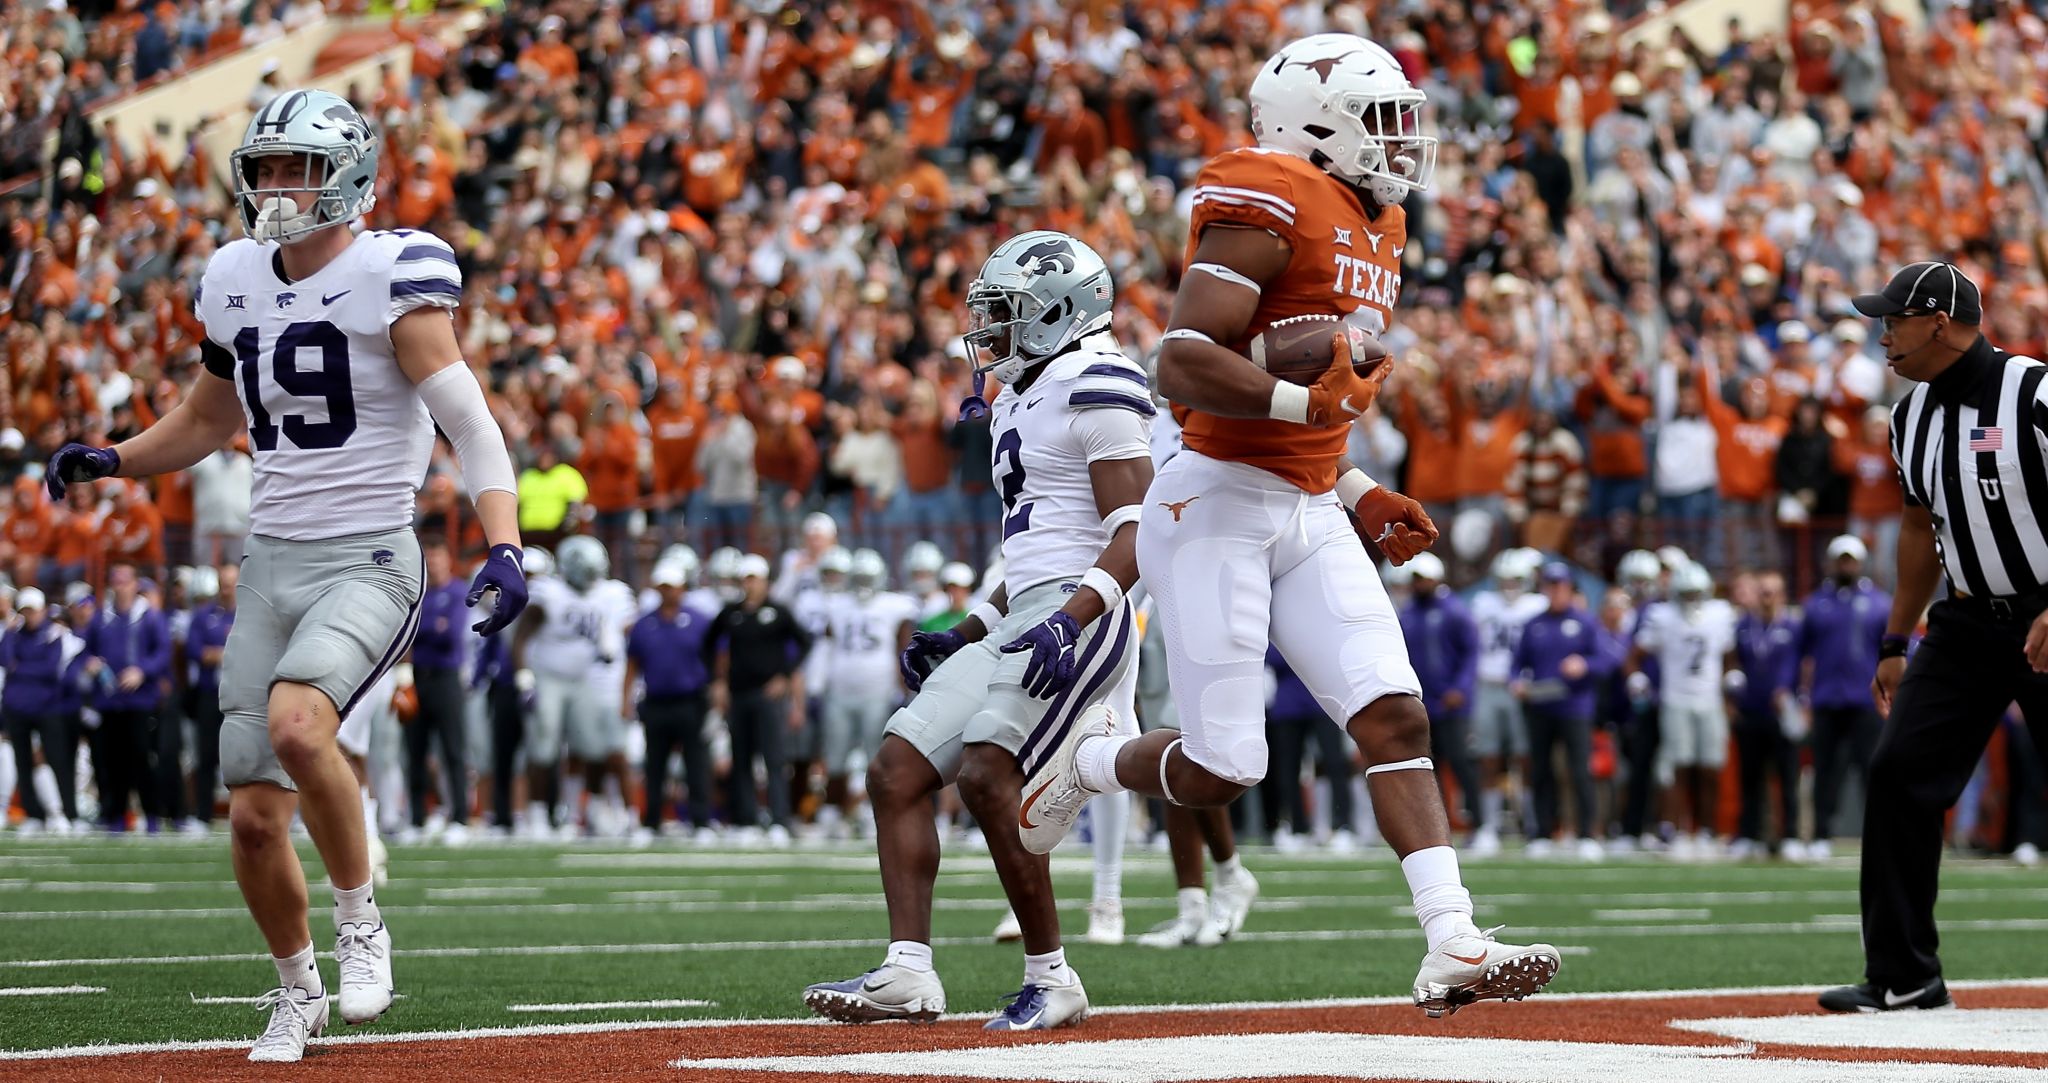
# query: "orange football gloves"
[1396,523]
[1341,394]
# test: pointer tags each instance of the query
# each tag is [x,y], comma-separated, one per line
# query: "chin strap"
[974,407]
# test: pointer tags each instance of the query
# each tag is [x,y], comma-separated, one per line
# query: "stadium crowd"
[714,258]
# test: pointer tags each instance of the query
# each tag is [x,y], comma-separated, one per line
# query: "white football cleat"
[886,992]
[363,952]
[380,860]
[1475,967]
[1009,930]
[295,1016]
[1176,932]
[1485,843]
[1105,923]
[1054,794]
[1044,1005]
[1590,850]
[1228,905]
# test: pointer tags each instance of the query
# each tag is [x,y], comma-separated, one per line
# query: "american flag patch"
[1102,292]
[1987,439]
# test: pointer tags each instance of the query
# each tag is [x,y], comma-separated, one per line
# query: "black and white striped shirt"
[1972,448]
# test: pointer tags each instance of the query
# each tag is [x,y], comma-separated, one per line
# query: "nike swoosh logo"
[1473,961]
[1024,811]
[1893,1000]
[873,988]
[336,297]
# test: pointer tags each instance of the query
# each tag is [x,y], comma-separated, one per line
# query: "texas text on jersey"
[337,430]
[1346,261]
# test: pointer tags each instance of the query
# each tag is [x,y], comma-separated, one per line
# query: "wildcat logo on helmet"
[1051,254]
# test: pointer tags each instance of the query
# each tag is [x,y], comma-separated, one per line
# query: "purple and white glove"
[503,574]
[1055,646]
[77,462]
[924,654]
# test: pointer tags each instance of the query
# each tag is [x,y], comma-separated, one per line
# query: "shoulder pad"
[1250,187]
[422,270]
[1096,379]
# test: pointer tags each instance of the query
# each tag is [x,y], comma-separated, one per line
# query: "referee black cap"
[1929,286]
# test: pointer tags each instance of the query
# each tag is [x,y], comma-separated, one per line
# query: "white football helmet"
[723,569]
[1039,293]
[1639,570]
[536,561]
[834,567]
[584,561]
[1426,566]
[821,526]
[1343,102]
[340,151]
[921,564]
[1692,586]
[1513,569]
[869,572]
[684,559]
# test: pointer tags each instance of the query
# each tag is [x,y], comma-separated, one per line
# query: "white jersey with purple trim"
[338,432]
[1691,643]
[578,629]
[812,608]
[1500,619]
[862,643]
[1089,405]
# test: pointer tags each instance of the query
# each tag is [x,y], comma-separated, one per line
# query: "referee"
[1969,441]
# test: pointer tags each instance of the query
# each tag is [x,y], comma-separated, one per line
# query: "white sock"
[572,799]
[910,955]
[354,905]
[7,778]
[297,971]
[369,814]
[1442,904]
[1194,902]
[537,813]
[1228,869]
[1095,761]
[1112,813]
[1489,808]
[45,782]
[1038,969]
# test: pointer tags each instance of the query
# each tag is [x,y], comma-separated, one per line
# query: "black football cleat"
[1872,997]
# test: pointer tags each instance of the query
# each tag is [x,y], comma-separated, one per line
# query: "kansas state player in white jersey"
[1497,727]
[570,646]
[337,351]
[1054,645]
[866,628]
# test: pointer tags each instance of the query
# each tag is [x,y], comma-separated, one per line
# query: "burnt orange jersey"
[1344,262]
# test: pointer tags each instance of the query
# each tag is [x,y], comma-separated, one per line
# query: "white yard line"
[48,990]
[1653,915]
[1826,923]
[1225,1009]
[610,1005]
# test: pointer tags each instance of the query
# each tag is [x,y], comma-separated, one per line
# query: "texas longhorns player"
[1243,537]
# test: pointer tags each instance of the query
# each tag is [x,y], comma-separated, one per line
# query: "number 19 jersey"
[338,433]
[1089,405]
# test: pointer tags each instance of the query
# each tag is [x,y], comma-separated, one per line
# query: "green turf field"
[486,928]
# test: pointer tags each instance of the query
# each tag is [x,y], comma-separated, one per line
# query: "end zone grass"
[145,940]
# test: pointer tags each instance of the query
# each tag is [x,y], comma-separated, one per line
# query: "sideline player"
[867,628]
[344,357]
[573,641]
[1052,650]
[1242,540]
[1498,729]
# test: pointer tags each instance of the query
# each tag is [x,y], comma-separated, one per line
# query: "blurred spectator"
[128,661]
[35,655]
[725,458]
[1766,711]
[550,494]
[1546,483]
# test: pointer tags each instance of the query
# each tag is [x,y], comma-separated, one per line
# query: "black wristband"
[1891,646]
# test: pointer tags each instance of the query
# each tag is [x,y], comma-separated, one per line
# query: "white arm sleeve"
[1112,434]
[456,400]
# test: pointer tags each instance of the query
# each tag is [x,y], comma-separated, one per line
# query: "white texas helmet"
[1343,102]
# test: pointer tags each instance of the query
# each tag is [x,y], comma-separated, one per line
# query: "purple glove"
[1055,646]
[926,651]
[77,462]
[503,574]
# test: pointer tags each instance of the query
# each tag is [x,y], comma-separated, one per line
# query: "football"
[1297,349]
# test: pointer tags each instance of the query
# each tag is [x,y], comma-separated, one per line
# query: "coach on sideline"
[1969,442]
